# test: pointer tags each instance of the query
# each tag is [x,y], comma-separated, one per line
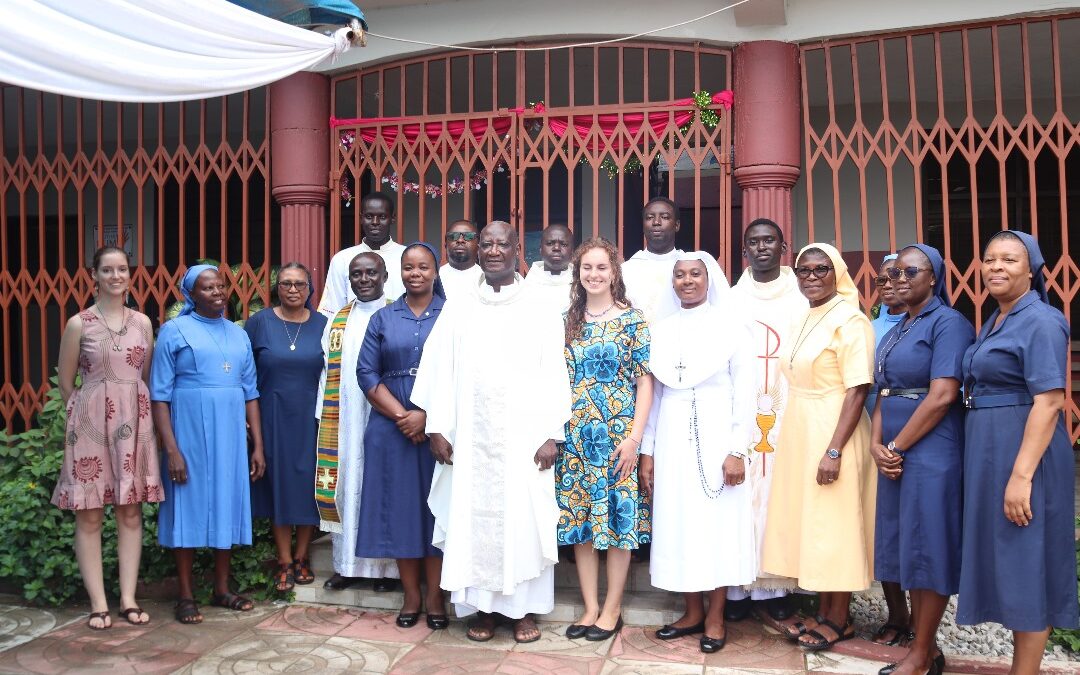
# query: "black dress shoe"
[384,585]
[407,619]
[670,632]
[438,621]
[888,670]
[576,631]
[938,666]
[779,608]
[340,583]
[597,634]
[712,645]
[737,610]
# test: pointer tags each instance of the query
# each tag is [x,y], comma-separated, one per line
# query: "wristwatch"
[832,453]
[736,454]
[892,447]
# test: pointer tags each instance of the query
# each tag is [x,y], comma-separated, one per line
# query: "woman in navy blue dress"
[287,344]
[1019,561]
[395,521]
[917,441]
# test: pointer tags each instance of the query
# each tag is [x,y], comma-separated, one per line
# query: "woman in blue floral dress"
[607,356]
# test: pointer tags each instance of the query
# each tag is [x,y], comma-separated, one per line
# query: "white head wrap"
[689,346]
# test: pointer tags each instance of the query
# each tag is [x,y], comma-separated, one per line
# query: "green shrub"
[1069,638]
[39,555]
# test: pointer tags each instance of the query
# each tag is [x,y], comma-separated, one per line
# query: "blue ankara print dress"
[594,504]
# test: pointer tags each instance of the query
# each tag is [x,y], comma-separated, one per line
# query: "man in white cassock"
[342,410]
[769,294]
[461,274]
[550,277]
[493,493]
[693,454]
[377,221]
[647,273]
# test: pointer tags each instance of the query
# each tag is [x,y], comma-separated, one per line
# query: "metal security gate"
[946,136]
[169,183]
[579,136]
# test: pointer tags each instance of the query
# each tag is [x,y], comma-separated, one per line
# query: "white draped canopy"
[152,50]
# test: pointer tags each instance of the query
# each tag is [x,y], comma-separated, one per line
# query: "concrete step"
[643,605]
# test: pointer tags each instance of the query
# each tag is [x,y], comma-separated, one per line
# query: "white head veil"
[719,290]
[689,346]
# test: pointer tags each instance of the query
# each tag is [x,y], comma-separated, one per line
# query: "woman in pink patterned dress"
[110,452]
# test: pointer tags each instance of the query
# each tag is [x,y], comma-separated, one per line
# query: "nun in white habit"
[697,436]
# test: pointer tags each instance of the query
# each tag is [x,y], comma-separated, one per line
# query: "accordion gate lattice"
[916,108]
[170,182]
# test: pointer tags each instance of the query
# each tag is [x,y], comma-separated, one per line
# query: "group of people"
[452,426]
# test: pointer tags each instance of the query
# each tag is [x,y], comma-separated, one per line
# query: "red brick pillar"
[300,168]
[768,129]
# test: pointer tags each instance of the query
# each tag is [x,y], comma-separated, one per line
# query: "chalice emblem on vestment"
[766,419]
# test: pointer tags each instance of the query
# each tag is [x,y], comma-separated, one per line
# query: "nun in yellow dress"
[820,522]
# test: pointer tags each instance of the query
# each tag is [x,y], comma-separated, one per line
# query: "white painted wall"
[490,22]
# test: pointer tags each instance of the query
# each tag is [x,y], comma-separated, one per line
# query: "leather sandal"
[98,615]
[284,578]
[301,569]
[125,614]
[237,603]
[820,642]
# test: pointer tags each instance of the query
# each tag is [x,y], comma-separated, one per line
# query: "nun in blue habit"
[1019,565]
[203,395]
[919,429]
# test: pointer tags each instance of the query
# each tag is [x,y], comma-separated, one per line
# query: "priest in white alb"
[693,454]
[461,274]
[342,411]
[377,221]
[770,295]
[550,277]
[647,273]
[493,382]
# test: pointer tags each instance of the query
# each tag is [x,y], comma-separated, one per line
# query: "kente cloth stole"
[326,463]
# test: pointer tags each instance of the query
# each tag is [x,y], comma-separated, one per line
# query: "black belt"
[409,372]
[888,392]
[997,400]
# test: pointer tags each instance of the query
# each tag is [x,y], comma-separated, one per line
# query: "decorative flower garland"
[477,179]
[709,119]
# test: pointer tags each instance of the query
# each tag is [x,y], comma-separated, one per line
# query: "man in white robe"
[377,221]
[647,273]
[493,383]
[551,277]
[366,276]
[461,274]
[770,294]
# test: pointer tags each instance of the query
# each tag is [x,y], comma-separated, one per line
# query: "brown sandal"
[302,571]
[237,603]
[283,579]
[98,615]
[187,612]
[125,614]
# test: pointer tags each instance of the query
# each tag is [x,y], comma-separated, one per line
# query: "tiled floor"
[304,638]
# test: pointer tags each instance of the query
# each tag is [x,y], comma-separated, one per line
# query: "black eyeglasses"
[298,285]
[909,272]
[458,236]
[821,271]
[881,280]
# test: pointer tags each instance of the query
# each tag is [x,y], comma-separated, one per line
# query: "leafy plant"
[39,557]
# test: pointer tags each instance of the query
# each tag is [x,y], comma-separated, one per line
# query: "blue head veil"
[187,284]
[937,264]
[437,289]
[1035,259]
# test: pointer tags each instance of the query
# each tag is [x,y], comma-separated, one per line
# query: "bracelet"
[631,438]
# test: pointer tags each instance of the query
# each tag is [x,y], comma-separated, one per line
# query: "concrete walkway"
[307,638]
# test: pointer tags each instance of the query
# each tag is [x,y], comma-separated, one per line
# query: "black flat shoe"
[576,631]
[384,585]
[888,670]
[597,634]
[340,583]
[407,620]
[438,621]
[936,668]
[779,608]
[712,645]
[670,632]
[737,610]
